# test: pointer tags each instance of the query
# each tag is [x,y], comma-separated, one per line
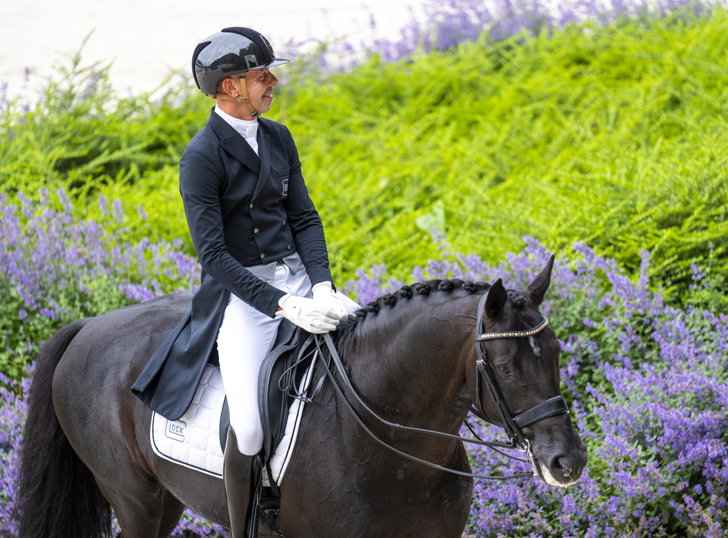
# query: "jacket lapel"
[234,144]
[264,154]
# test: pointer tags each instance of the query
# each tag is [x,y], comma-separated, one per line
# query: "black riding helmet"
[230,52]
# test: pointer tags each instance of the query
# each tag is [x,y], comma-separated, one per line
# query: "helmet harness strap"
[243,98]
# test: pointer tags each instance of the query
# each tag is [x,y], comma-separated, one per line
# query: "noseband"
[512,424]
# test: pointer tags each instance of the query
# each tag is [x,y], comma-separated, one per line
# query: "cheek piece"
[243,98]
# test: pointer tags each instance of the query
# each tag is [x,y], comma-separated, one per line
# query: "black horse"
[411,356]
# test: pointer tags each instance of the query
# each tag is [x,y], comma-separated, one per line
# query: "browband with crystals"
[514,334]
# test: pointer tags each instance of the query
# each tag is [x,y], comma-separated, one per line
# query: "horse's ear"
[537,289]
[497,298]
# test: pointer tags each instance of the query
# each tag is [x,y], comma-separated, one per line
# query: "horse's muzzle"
[559,453]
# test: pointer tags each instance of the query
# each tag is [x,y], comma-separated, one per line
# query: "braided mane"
[409,291]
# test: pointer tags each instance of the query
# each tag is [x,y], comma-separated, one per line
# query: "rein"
[512,424]
[342,373]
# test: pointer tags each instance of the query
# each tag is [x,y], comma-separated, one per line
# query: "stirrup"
[269,506]
[265,502]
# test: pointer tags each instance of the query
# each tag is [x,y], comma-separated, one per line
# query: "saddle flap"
[280,375]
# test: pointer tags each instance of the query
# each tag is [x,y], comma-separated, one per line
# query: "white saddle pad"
[194,440]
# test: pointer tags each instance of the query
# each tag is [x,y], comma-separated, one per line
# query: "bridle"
[512,424]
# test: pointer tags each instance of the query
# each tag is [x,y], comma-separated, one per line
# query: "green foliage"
[82,136]
[153,207]
[22,334]
[613,136]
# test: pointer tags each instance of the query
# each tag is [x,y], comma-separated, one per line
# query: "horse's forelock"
[523,313]
[517,299]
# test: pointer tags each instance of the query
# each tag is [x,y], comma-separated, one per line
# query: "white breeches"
[244,339]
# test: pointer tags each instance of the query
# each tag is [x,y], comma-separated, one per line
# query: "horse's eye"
[503,369]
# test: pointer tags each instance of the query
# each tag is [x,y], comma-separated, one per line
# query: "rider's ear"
[537,289]
[497,298]
[228,86]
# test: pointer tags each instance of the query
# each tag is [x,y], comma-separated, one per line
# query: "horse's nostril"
[562,465]
[566,471]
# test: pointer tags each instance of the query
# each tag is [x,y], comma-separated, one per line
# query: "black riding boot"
[239,487]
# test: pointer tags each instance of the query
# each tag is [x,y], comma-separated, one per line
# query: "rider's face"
[259,84]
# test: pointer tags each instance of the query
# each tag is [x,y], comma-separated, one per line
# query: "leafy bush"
[57,269]
[83,137]
[82,133]
[609,135]
[613,136]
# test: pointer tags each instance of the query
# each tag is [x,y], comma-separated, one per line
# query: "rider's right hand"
[308,314]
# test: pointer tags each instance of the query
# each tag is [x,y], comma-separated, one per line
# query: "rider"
[259,240]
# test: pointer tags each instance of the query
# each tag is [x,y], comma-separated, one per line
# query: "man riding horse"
[261,245]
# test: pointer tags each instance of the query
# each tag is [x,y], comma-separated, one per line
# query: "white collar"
[247,128]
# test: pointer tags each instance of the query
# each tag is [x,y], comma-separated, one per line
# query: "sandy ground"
[146,39]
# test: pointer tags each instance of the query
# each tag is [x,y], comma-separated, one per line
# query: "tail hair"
[57,494]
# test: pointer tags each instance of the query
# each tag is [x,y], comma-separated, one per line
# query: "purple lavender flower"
[441,25]
[56,269]
[648,396]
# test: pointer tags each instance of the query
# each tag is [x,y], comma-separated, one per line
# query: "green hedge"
[613,136]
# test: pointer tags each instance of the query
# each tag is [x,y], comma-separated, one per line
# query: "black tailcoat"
[242,209]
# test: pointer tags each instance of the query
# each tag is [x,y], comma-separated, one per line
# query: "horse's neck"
[410,360]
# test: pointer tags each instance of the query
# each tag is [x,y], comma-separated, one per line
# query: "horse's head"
[518,379]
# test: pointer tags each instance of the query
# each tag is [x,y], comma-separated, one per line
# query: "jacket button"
[289,247]
[255,231]
[262,255]
[251,206]
[284,222]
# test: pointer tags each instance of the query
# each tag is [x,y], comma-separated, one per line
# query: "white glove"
[325,296]
[307,314]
